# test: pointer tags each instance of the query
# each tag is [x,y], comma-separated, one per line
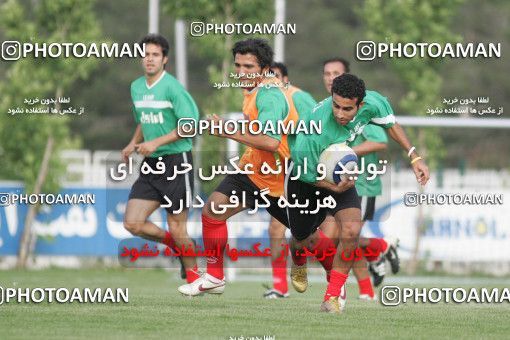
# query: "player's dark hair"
[157,39]
[258,47]
[281,67]
[349,86]
[338,60]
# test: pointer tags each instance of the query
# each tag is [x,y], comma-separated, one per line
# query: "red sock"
[192,274]
[280,274]
[215,234]
[365,287]
[169,240]
[322,247]
[336,282]
[376,246]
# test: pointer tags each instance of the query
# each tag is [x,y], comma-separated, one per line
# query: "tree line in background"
[325,28]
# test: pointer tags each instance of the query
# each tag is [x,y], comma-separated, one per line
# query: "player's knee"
[276,231]
[135,228]
[351,230]
[207,211]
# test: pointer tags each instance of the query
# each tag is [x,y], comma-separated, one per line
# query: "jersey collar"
[157,81]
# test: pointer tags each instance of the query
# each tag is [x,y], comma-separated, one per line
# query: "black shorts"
[241,183]
[154,187]
[303,224]
[367,207]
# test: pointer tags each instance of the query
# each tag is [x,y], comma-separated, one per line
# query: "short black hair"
[258,47]
[349,86]
[338,60]
[281,67]
[157,39]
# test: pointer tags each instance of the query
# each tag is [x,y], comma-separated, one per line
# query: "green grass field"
[156,310]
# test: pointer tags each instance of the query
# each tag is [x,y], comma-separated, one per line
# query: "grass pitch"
[156,310]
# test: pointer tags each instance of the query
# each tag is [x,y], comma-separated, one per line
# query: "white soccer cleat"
[342,299]
[366,297]
[204,284]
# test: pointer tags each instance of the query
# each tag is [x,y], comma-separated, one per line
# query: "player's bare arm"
[368,147]
[419,167]
[130,148]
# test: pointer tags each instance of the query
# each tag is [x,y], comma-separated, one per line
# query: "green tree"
[415,21]
[25,138]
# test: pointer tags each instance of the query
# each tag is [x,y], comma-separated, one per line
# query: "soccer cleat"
[272,293]
[331,305]
[366,297]
[342,299]
[377,270]
[299,277]
[204,284]
[391,254]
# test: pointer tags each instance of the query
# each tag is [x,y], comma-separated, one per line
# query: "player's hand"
[127,151]
[343,185]
[146,148]
[218,121]
[421,172]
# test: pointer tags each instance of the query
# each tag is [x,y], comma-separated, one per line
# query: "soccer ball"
[334,157]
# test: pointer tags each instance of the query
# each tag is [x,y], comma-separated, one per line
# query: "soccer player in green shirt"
[372,139]
[344,115]
[159,101]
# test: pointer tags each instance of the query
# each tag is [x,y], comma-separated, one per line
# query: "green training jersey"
[303,101]
[310,146]
[158,108]
[376,110]
[365,187]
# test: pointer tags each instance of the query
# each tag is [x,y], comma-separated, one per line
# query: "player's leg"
[331,231]
[215,237]
[377,250]
[305,233]
[360,268]
[215,233]
[278,244]
[349,220]
[383,249]
[329,228]
[178,231]
[137,223]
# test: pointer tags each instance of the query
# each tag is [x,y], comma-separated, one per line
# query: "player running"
[159,100]
[371,140]
[343,116]
[264,101]
[302,101]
